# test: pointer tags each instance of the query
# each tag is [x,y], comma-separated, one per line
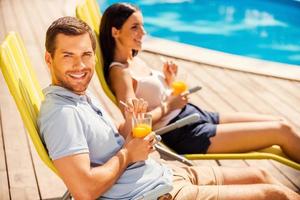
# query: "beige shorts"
[195,183]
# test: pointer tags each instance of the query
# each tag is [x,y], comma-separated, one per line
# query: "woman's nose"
[144,31]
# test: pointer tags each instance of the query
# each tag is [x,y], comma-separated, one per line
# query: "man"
[92,156]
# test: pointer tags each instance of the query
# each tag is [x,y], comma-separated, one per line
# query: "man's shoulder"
[52,108]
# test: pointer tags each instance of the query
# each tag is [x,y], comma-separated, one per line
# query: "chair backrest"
[88,11]
[25,89]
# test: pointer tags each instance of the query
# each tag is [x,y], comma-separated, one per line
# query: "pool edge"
[221,59]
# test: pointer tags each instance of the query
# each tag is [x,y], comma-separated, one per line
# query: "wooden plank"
[21,23]
[280,176]
[277,104]
[244,93]
[33,35]
[21,175]
[263,94]
[44,19]
[210,92]
[8,18]
[297,84]
[292,174]
[4,186]
[50,185]
[282,95]
[227,94]
[232,163]
[289,86]
[2,27]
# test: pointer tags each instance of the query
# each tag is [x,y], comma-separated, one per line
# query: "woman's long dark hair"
[114,16]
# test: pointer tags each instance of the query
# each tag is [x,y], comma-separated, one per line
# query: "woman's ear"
[114,32]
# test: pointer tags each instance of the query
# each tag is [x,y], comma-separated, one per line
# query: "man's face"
[73,63]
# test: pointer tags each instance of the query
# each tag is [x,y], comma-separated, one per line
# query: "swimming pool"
[268,29]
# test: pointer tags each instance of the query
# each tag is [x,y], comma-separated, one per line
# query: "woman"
[121,34]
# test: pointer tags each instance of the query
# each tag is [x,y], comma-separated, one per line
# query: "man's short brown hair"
[67,26]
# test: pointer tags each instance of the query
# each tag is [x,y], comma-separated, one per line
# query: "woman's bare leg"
[246,117]
[243,137]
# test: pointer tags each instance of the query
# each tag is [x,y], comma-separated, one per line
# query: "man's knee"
[263,176]
[274,192]
[260,175]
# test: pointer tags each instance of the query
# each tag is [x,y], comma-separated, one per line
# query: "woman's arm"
[122,86]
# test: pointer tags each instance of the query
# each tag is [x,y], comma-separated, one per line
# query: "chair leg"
[172,155]
[67,195]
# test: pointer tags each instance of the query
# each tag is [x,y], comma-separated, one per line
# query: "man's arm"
[85,182]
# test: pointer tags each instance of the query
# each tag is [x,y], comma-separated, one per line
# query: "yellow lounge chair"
[84,12]
[25,89]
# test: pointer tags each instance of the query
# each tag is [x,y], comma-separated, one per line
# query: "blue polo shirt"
[71,124]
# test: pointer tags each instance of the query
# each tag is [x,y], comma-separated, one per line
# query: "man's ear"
[48,59]
[114,32]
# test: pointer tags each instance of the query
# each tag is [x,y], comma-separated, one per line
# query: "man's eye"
[67,56]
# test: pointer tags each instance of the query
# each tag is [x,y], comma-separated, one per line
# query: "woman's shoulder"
[118,64]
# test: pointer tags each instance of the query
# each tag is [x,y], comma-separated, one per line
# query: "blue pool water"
[268,29]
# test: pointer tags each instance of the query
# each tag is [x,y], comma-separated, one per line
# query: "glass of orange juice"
[179,84]
[142,126]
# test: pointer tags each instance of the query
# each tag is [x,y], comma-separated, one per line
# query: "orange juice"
[179,87]
[141,130]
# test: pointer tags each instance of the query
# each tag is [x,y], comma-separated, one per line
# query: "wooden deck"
[24,176]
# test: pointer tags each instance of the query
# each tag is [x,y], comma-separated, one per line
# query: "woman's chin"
[138,47]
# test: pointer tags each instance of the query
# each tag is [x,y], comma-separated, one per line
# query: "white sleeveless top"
[154,90]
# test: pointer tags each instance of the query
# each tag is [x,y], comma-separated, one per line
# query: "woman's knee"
[285,125]
[286,128]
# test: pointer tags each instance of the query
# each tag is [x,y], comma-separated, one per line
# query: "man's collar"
[61,91]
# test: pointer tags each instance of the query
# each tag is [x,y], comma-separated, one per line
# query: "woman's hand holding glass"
[174,80]
[176,102]
[179,85]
